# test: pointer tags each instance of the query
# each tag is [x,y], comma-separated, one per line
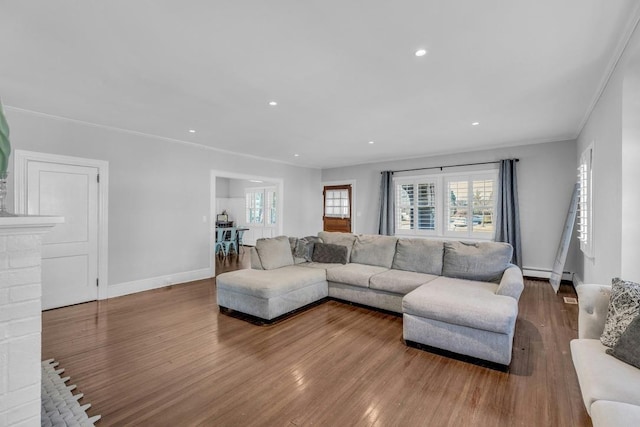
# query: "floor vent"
[570,300]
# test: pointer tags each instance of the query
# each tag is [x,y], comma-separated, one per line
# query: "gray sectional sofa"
[610,388]
[455,296]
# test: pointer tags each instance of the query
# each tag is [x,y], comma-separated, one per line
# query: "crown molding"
[148,135]
[618,52]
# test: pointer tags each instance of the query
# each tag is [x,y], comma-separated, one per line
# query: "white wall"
[222,187]
[614,197]
[630,231]
[546,176]
[159,191]
[237,187]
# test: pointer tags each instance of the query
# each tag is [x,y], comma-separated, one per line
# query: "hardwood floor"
[167,357]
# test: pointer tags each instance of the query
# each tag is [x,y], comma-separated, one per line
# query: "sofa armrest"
[512,283]
[593,303]
[256,263]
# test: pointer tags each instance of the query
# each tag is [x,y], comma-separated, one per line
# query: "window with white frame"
[446,205]
[471,205]
[261,206]
[585,202]
[416,206]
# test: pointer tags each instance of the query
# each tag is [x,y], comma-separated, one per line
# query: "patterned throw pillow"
[304,247]
[624,306]
[328,253]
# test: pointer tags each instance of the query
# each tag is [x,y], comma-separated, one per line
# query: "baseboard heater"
[544,273]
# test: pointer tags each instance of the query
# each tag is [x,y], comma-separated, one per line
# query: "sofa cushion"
[399,281]
[329,253]
[274,252]
[627,348]
[374,250]
[354,274]
[464,303]
[419,255]
[607,413]
[269,283]
[343,239]
[484,261]
[603,377]
[624,306]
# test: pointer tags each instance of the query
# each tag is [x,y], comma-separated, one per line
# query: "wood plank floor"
[167,357]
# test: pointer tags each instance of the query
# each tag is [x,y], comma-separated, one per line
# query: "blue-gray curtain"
[508,213]
[386,224]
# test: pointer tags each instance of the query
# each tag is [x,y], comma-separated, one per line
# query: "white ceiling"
[343,72]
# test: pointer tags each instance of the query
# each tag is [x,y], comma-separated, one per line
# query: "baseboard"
[127,288]
[543,273]
[577,280]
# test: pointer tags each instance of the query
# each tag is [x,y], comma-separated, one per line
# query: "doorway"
[337,211]
[74,253]
[239,200]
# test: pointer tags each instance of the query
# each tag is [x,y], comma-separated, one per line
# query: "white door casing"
[276,231]
[74,254]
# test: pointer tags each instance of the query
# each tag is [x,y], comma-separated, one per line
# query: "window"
[446,205]
[585,202]
[471,205]
[261,206]
[416,206]
[336,202]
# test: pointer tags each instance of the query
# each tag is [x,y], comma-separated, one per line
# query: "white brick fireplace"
[20,317]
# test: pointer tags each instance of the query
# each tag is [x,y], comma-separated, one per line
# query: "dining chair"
[230,240]
[239,240]
[219,241]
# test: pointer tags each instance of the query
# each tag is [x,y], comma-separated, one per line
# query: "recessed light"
[421,52]
[273,103]
[296,155]
[475,123]
[371,142]
[255,180]
[192,131]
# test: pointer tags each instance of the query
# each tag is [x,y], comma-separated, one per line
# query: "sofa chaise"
[454,296]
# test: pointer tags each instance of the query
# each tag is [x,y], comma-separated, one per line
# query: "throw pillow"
[329,253]
[624,306]
[627,348]
[483,261]
[274,252]
[293,243]
[336,238]
[304,247]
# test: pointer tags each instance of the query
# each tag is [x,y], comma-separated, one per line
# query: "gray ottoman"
[268,294]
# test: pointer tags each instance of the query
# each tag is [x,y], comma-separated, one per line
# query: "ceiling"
[342,72]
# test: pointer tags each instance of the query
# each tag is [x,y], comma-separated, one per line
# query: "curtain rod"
[450,166]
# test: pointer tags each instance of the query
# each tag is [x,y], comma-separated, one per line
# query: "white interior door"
[70,251]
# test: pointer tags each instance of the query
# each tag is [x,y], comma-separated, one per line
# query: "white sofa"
[610,388]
